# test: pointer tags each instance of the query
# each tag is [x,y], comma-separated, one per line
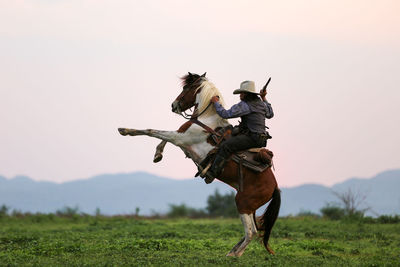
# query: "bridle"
[193,118]
[190,116]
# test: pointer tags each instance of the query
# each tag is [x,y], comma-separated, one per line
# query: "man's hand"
[263,93]
[214,99]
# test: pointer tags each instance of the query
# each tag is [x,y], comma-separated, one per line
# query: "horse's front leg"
[160,148]
[159,152]
[179,139]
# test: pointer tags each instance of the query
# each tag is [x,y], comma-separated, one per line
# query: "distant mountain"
[382,191]
[122,193]
[112,193]
[382,194]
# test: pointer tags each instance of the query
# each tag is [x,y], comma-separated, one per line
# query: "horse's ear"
[204,74]
[190,74]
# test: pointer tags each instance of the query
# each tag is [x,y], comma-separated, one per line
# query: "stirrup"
[208,180]
[208,177]
[205,173]
[202,171]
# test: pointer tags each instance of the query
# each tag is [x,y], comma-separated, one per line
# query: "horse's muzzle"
[176,107]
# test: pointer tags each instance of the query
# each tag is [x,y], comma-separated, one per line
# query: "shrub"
[332,212]
[352,200]
[17,213]
[357,215]
[388,219]
[98,212]
[183,211]
[68,212]
[222,205]
[4,210]
[307,213]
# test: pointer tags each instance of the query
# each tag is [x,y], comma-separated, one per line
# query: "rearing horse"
[257,189]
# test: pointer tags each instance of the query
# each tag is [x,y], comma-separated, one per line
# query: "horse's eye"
[186,87]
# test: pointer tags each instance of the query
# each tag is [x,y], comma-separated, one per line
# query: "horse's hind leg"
[232,252]
[250,231]
[159,152]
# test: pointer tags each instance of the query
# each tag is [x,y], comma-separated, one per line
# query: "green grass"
[46,240]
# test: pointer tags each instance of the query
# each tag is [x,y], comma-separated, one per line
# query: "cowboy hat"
[246,87]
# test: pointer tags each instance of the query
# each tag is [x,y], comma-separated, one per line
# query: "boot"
[215,169]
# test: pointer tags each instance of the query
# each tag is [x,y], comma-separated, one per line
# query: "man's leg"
[227,148]
[236,143]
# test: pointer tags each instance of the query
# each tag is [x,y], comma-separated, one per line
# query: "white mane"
[208,90]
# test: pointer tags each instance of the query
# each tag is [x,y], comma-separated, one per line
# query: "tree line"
[218,205]
[350,206]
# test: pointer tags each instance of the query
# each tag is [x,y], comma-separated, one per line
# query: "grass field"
[48,240]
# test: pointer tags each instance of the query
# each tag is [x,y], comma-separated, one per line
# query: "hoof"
[157,157]
[231,254]
[270,250]
[122,131]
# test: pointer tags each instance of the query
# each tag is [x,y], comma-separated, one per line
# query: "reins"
[190,116]
[185,115]
[195,120]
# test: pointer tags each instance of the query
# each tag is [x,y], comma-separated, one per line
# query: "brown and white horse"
[258,188]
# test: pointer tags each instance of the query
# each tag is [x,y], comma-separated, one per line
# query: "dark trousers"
[238,143]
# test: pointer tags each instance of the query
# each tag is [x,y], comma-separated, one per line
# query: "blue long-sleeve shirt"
[241,109]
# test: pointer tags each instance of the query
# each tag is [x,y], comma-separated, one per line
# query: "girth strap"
[240,182]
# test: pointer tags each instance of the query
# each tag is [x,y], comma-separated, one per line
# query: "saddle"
[255,159]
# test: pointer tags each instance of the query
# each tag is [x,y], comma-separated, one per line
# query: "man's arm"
[235,111]
[269,113]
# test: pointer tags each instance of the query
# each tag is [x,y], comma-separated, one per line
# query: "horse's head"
[191,87]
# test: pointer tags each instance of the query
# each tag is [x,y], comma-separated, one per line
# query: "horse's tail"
[269,217]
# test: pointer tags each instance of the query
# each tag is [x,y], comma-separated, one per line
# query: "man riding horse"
[252,110]
[253,188]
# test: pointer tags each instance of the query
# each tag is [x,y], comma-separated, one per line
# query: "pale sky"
[72,72]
